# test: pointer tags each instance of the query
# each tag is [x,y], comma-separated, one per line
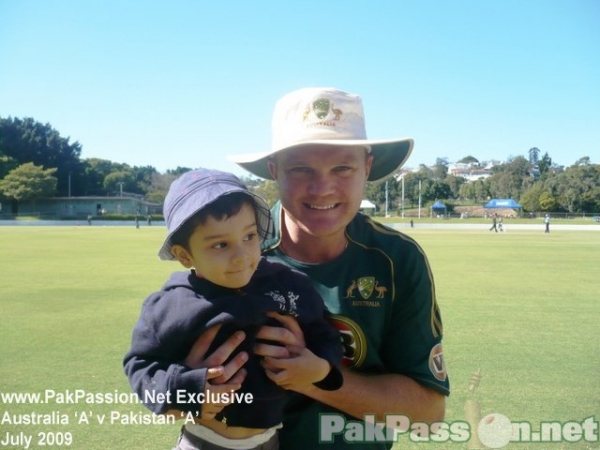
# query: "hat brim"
[388,155]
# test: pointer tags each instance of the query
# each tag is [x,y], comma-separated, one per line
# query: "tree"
[29,182]
[584,161]
[468,160]
[477,190]
[454,183]
[437,190]
[577,189]
[440,170]
[159,186]
[26,141]
[547,201]
[115,183]
[178,171]
[534,155]
[530,200]
[7,164]
[267,190]
[510,180]
[96,170]
[143,178]
[544,164]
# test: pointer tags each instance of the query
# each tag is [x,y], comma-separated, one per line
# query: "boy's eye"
[219,245]
[251,236]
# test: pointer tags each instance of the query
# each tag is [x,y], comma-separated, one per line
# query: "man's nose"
[321,184]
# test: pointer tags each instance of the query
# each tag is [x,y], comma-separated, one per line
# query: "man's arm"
[360,394]
[381,395]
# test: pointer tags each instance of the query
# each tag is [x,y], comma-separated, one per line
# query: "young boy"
[215,227]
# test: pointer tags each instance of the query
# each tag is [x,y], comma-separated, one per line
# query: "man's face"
[321,187]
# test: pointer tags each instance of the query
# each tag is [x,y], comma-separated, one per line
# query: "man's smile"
[322,207]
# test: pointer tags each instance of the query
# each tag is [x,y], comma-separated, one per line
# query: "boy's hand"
[290,364]
[299,371]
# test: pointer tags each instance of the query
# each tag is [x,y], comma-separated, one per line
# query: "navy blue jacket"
[172,319]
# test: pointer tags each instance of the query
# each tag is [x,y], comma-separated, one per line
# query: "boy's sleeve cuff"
[333,381]
[187,381]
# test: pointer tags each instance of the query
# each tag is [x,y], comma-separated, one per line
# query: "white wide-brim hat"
[330,117]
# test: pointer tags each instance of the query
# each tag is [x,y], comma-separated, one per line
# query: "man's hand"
[231,372]
[209,409]
[289,337]
[220,377]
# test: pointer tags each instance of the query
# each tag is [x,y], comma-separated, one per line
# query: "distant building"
[81,207]
[470,171]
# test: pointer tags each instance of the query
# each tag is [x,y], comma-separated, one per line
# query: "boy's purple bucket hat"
[196,189]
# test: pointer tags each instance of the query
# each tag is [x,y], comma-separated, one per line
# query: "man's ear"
[182,255]
[369,164]
[272,165]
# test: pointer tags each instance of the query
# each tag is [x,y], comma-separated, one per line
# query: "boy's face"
[225,252]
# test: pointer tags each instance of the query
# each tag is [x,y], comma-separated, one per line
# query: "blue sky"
[174,83]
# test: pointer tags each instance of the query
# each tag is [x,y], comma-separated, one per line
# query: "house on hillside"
[470,171]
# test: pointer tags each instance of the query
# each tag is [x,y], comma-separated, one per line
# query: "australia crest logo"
[366,285]
[323,109]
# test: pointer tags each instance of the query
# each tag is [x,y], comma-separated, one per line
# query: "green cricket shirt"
[380,294]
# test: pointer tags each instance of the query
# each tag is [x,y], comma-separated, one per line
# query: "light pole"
[400,177]
[419,199]
[386,199]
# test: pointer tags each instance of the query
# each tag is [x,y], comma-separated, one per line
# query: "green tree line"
[537,185]
[30,150]
[37,162]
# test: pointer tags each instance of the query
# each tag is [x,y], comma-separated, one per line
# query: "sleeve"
[414,332]
[153,363]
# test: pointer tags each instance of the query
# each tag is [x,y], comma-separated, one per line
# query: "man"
[376,282]
[494,221]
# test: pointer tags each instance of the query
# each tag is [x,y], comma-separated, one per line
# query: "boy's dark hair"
[222,208]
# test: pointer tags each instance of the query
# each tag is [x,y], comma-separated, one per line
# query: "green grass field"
[520,306]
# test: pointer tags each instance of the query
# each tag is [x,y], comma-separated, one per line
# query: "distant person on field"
[547,222]
[215,227]
[494,222]
[500,222]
